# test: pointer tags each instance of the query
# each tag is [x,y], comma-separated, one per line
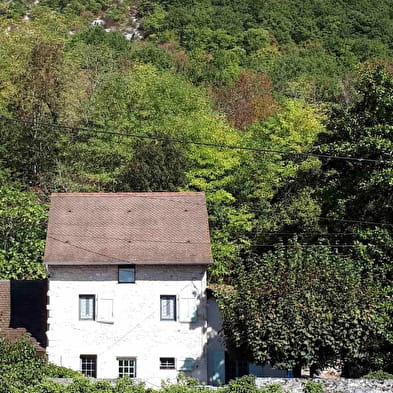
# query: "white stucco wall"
[137,330]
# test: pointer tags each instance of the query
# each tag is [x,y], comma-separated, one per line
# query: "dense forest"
[149,96]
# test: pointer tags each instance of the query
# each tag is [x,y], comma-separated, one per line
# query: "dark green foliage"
[298,306]
[149,53]
[155,166]
[30,152]
[363,191]
[22,234]
[98,36]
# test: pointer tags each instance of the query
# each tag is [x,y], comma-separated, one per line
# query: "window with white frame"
[168,307]
[88,365]
[127,367]
[87,307]
[167,363]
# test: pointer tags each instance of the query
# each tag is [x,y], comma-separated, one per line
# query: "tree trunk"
[297,371]
[313,370]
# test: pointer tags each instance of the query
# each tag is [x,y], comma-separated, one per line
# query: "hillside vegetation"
[294,84]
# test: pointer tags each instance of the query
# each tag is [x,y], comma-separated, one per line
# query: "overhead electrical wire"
[195,143]
[309,233]
[213,145]
[305,245]
[68,243]
[356,221]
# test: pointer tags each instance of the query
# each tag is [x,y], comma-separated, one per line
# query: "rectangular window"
[87,307]
[88,365]
[127,367]
[126,274]
[168,307]
[167,363]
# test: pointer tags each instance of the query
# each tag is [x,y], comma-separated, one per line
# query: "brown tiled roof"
[22,311]
[145,228]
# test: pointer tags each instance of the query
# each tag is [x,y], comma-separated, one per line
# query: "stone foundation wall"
[295,385]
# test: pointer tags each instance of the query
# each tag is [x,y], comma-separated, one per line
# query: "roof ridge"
[114,194]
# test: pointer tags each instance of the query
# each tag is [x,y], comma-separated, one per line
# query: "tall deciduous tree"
[30,148]
[247,100]
[357,196]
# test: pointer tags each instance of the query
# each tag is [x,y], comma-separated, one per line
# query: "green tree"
[298,306]
[155,166]
[22,234]
[352,192]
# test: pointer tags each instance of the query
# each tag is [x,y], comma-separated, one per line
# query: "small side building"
[23,311]
[222,367]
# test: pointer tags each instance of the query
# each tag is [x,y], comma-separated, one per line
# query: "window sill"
[106,322]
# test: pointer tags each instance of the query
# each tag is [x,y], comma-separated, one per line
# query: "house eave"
[84,263]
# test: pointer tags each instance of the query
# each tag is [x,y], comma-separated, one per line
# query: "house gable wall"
[136,329]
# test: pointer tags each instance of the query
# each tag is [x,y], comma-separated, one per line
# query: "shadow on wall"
[221,366]
[28,307]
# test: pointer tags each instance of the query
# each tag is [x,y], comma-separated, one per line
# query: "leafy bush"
[127,385]
[46,387]
[80,385]
[274,388]
[312,387]
[19,365]
[103,386]
[55,371]
[245,384]
[380,374]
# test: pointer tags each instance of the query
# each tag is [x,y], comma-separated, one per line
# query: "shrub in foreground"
[380,374]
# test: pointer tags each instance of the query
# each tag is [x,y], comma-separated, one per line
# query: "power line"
[129,240]
[305,245]
[87,249]
[356,221]
[195,143]
[309,233]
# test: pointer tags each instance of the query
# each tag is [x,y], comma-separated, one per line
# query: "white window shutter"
[188,309]
[105,310]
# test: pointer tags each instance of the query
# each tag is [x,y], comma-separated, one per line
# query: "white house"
[127,284]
